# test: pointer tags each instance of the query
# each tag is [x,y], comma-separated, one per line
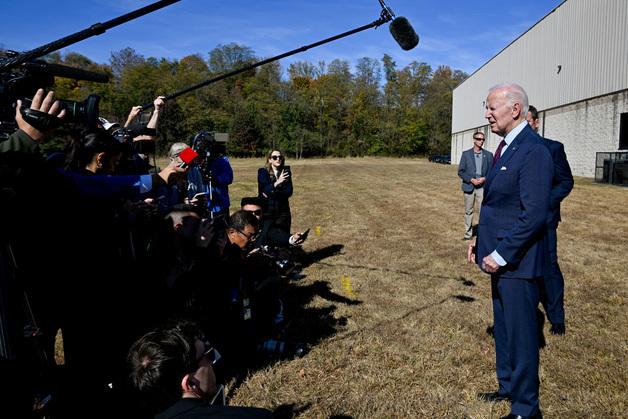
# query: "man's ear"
[187,383]
[516,110]
[100,158]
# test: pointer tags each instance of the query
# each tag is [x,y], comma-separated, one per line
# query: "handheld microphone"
[403,33]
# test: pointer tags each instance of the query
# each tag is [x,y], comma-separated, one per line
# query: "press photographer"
[138,138]
[210,179]
[42,207]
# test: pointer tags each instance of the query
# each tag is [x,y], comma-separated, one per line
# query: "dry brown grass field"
[397,319]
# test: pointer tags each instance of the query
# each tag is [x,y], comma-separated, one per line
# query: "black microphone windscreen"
[403,33]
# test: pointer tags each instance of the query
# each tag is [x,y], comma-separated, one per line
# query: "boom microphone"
[400,29]
[403,33]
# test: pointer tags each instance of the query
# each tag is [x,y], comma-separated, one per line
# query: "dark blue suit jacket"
[516,205]
[562,183]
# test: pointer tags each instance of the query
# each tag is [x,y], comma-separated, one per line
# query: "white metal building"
[573,64]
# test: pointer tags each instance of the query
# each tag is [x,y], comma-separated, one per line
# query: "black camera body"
[283,264]
[23,81]
[209,146]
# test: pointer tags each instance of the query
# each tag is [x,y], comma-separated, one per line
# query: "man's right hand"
[471,253]
[40,103]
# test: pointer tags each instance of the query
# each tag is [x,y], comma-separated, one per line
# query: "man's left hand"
[489,264]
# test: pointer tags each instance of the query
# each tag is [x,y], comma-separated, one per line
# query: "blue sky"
[461,34]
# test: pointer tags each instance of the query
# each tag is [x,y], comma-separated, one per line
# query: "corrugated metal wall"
[588,39]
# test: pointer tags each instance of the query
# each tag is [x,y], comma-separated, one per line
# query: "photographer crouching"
[268,262]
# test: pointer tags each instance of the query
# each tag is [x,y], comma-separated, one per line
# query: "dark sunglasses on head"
[276,157]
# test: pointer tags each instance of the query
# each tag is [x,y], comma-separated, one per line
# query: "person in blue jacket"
[511,246]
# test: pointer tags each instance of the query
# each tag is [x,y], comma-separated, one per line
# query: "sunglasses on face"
[256,213]
[276,157]
[479,139]
[210,353]
[249,238]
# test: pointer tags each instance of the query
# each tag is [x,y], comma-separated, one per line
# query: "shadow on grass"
[368,268]
[395,321]
[315,256]
[466,282]
[304,326]
[289,411]
[464,298]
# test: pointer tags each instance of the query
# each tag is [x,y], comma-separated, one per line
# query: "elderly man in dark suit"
[553,285]
[474,166]
[511,246]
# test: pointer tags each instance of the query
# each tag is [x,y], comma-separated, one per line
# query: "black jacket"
[197,409]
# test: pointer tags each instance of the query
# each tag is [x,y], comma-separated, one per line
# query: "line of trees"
[321,109]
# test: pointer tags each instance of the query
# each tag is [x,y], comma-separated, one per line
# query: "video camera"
[22,82]
[209,146]
[283,264]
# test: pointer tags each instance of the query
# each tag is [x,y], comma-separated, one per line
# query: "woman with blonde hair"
[274,184]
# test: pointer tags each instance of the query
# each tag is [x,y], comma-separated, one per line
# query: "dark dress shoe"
[539,415]
[493,397]
[557,329]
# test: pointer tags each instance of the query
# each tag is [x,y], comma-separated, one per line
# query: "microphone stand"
[385,16]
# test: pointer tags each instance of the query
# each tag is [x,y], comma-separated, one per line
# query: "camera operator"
[138,138]
[40,205]
[151,128]
[212,175]
[27,259]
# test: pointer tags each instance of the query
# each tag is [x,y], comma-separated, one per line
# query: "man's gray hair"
[515,94]
[176,149]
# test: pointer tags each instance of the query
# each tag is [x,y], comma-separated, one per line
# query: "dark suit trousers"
[515,302]
[553,284]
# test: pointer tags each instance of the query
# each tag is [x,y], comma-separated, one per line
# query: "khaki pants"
[469,202]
